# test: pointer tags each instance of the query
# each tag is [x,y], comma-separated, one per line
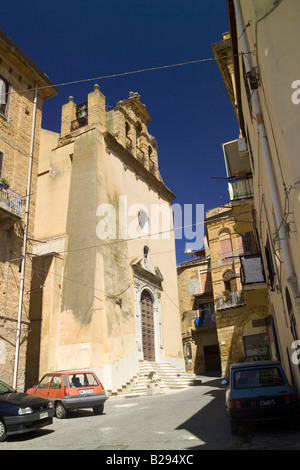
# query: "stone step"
[171,378]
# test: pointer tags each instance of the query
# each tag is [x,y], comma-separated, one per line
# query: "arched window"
[138,132]
[229,279]
[189,350]
[127,136]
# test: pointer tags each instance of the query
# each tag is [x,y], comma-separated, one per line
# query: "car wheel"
[234,428]
[98,410]
[60,410]
[3,432]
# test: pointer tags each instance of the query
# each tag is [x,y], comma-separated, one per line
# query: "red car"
[72,389]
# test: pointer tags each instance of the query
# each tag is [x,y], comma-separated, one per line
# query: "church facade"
[104,290]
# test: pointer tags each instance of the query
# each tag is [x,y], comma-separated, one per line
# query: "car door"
[42,389]
[56,389]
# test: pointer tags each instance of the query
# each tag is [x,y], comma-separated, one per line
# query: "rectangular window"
[4,95]
[260,377]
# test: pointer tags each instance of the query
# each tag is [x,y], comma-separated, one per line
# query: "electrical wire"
[146,236]
[121,74]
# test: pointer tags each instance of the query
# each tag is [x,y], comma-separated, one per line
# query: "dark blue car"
[259,391]
[21,412]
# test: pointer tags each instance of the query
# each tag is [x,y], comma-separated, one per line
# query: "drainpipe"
[26,223]
[268,159]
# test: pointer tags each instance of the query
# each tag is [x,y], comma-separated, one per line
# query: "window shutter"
[226,246]
[205,282]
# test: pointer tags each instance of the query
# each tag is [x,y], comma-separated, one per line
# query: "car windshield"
[5,388]
[260,377]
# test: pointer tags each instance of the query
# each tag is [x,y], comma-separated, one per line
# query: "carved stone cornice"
[139,169]
[147,276]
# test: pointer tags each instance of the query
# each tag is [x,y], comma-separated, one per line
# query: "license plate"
[270,402]
[88,390]
[44,415]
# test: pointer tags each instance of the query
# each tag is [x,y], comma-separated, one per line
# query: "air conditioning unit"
[242,147]
[242,144]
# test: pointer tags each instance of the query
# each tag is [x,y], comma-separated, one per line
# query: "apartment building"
[257,61]
[23,88]
[198,325]
[243,318]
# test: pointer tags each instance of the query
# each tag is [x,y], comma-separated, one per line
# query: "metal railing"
[241,189]
[226,258]
[232,299]
[203,319]
[11,201]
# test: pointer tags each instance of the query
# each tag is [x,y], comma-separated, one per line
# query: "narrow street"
[189,420]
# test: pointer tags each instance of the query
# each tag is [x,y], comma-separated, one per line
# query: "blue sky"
[189,107]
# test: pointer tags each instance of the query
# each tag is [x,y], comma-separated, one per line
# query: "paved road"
[188,420]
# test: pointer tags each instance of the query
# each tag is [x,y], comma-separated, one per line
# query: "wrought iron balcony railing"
[226,258]
[232,299]
[203,319]
[240,189]
[11,201]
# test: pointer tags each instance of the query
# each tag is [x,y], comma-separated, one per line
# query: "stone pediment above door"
[153,278]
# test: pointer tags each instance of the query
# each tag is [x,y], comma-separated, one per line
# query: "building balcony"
[252,271]
[11,203]
[205,320]
[229,300]
[227,258]
[200,318]
[240,189]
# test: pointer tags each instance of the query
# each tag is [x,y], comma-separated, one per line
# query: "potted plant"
[153,384]
[4,182]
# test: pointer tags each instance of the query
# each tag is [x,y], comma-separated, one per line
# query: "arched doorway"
[148,340]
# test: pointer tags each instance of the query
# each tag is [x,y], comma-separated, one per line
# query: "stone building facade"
[109,296]
[243,318]
[19,149]
[257,62]
[198,325]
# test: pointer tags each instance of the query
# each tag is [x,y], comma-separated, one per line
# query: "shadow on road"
[211,425]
